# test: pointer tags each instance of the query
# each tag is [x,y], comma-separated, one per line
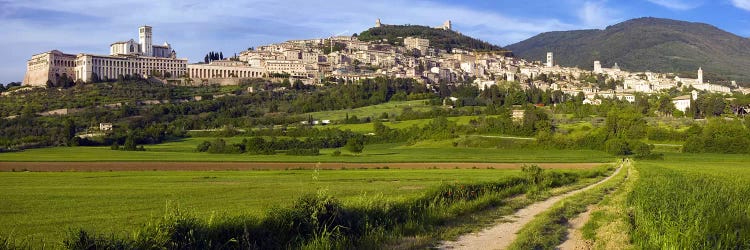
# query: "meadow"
[42,207]
[373,111]
[368,127]
[692,201]
[425,151]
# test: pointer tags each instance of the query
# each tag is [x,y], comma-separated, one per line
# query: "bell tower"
[144,38]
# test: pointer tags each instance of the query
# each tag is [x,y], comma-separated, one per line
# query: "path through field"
[502,235]
[575,239]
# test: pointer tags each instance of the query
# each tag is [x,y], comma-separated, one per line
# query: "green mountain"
[659,45]
[439,38]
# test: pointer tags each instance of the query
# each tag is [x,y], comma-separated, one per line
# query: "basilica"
[125,58]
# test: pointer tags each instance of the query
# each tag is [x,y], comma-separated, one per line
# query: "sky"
[195,27]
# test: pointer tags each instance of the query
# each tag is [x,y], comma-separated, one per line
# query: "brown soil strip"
[220,166]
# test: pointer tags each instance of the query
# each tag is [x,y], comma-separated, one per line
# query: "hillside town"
[347,59]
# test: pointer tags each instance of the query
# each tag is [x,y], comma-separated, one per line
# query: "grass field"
[692,202]
[374,111]
[428,151]
[368,127]
[42,205]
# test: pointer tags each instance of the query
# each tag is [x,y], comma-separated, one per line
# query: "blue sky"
[194,27]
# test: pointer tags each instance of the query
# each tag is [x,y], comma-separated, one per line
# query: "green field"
[368,127]
[374,111]
[42,205]
[426,151]
[692,201]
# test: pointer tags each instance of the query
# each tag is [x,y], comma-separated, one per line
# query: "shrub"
[203,146]
[303,151]
[355,144]
[617,147]
[720,136]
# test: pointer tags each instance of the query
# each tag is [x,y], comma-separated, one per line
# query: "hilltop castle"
[446,25]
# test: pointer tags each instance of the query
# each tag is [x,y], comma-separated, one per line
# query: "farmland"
[696,202]
[393,107]
[427,151]
[687,201]
[41,206]
[253,170]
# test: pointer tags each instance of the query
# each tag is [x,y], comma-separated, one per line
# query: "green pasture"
[41,206]
[374,111]
[368,127]
[427,151]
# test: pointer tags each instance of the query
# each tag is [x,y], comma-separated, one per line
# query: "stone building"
[126,58]
[90,67]
[447,25]
[49,67]
[294,68]
[550,60]
[224,69]
[417,43]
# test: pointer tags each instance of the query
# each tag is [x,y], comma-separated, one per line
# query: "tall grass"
[319,220]
[701,209]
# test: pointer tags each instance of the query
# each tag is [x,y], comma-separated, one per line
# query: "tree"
[355,144]
[130,143]
[70,131]
[298,85]
[617,147]
[666,106]
[218,146]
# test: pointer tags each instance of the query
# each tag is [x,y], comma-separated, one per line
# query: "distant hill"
[439,38]
[659,45]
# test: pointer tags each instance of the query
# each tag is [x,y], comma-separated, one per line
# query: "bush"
[355,144]
[617,147]
[219,146]
[720,136]
[203,146]
[304,151]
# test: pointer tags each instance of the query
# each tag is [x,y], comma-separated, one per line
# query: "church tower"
[598,67]
[700,75]
[144,37]
[550,60]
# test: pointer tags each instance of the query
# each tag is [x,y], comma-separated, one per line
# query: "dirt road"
[219,166]
[502,235]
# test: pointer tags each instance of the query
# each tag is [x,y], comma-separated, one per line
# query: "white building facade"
[126,58]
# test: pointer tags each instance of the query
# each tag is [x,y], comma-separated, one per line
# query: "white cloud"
[742,4]
[596,14]
[679,4]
